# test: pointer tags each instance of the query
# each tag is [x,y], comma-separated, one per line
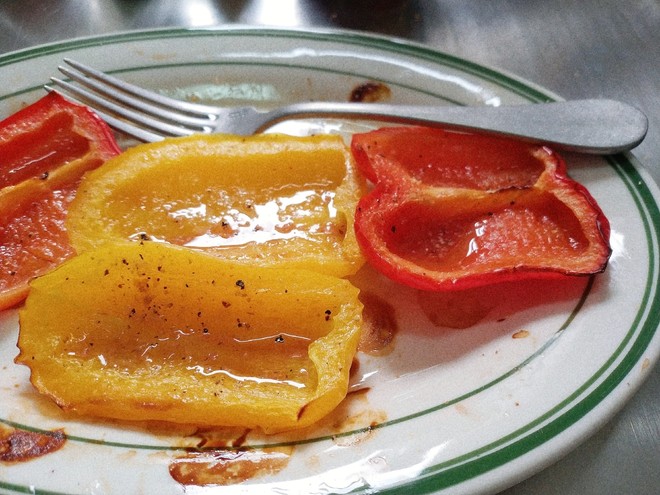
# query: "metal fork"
[594,126]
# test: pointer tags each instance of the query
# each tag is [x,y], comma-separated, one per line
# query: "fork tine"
[128,100]
[85,97]
[164,101]
[118,124]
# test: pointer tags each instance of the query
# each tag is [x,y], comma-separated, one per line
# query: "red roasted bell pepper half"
[452,210]
[45,148]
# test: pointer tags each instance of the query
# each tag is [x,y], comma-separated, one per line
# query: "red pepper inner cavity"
[456,160]
[531,227]
[36,152]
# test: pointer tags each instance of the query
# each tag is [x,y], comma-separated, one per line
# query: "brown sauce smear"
[363,426]
[221,458]
[20,445]
[379,325]
[221,438]
[370,92]
[520,334]
[228,467]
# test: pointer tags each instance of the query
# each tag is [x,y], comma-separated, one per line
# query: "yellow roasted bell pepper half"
[152,331]
[269,199]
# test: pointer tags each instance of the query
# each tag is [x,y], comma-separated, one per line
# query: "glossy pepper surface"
[44,150]
[153,331]
[269,199]
[452,210]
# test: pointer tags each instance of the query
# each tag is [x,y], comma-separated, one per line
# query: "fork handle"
[597,126]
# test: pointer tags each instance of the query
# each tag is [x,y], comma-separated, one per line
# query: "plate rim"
[392,43]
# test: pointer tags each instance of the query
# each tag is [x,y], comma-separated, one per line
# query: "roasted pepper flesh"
[464,210]
[41,150]
[268,199]
[44,150]
[436,158]
[151,331]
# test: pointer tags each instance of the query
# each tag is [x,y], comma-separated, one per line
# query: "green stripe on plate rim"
[644,327]
[279,65]
[528,437]
[384,424]
[398,420]
[400,47]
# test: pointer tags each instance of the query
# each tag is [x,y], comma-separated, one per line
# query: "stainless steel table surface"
[576,48]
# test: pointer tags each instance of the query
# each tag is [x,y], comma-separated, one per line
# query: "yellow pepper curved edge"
[64,305]
[90,222]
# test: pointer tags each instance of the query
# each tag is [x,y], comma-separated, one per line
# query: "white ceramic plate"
[462,411]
